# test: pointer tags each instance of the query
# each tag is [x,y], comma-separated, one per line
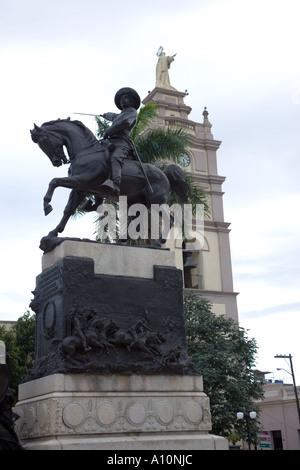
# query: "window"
[277,440]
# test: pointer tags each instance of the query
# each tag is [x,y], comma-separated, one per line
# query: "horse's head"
[50,143]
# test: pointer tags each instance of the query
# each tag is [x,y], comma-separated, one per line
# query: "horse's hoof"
[48,209]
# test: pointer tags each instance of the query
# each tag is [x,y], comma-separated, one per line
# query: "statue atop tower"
[162,69]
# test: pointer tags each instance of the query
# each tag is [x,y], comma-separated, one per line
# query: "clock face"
[184,160]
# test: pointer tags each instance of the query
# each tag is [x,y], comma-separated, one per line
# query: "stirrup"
[111,187]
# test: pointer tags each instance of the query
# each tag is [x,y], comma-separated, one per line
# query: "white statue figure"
[162,70]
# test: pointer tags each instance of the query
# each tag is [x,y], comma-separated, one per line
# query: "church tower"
[206,270]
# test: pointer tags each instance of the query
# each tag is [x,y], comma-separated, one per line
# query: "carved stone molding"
[63,405]
[79,415]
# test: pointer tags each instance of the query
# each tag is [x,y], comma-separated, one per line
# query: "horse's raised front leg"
[66,182]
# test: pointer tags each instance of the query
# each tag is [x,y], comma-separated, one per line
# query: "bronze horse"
[90,166]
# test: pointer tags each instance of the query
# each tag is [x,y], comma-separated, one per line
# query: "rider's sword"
[87,114]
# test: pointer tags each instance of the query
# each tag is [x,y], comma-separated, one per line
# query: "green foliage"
[102,125]
[225,356]
[196,194]
[233,437]
[19,342]
[25,337]
[157,145]
[145,115]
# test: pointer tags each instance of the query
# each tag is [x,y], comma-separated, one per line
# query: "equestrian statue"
[106,168]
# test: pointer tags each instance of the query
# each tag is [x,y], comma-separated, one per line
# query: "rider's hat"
[130,92]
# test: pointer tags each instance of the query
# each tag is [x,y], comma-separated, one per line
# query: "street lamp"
[246,416]
[281,368]
[283,356]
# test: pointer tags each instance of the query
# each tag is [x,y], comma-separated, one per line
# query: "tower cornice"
[168,91]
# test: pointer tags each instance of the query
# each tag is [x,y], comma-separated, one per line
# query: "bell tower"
[206,270]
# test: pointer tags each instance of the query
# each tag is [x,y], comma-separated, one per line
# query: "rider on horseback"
[120,144]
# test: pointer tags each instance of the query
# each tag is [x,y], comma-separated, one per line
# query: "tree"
[225,356]
[19,342]
[25,337]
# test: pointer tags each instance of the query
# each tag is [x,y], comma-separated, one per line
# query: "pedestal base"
[115,412]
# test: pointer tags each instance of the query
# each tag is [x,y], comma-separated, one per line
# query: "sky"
[240,59]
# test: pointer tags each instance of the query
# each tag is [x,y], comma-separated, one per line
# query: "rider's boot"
[112,186]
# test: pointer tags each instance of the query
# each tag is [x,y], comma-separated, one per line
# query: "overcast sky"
[240,59]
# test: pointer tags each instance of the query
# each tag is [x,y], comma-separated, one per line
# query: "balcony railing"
[175,122]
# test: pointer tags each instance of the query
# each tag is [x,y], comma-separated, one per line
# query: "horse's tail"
[177,181]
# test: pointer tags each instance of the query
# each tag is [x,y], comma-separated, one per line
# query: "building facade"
[8,325]
[208,270]
[279,419]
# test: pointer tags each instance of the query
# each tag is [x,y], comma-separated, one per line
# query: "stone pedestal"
[111,368]
[115,412]
[109,309]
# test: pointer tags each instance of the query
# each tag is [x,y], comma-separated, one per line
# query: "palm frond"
[196,194]
[102,125]
[161,145]
[145,115]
